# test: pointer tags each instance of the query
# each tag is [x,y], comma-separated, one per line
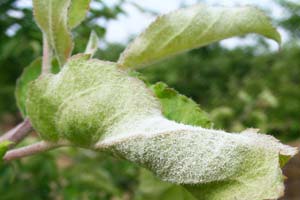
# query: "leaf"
[3,148]
[283,160]
[179,108]
[94,104]
[194,27]
[77,12]
[92,45]
[51,17]
[30,73]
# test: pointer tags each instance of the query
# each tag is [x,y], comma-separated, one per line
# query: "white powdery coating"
[87,100]
[185,154]
[211,164]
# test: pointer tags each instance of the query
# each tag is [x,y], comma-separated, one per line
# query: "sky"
[126,26]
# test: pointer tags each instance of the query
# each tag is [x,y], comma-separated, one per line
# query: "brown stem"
[18,133]
[31,150]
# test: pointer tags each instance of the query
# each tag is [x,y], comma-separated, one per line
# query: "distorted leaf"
[194,27]
[77,12]
[30,73]
[52,17]
[96,105]
[92,45]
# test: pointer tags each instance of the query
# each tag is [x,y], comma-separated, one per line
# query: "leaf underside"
[96,105]
[194,27]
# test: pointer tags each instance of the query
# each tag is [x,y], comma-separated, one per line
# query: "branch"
[18,133]
[31,150]
[47,55]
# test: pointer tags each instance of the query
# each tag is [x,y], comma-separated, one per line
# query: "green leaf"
[194,27]
[30,73]
[94,104]
[3,148]
[283,160]
[180,108]
[92,45]
[77,12]
[51,17]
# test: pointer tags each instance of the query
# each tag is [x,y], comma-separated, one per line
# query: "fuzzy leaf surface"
[96,105]
[52,18]
[194,27]
[30,73]
[181,109]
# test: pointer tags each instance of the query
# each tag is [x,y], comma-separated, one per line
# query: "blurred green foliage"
[247,86]
[239,88]
[68,174]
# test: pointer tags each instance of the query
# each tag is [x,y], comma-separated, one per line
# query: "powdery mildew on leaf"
[94,104]
[194,27]
[235,166]
[87,96]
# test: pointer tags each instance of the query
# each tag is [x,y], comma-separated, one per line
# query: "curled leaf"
[194,27]
[96,105]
